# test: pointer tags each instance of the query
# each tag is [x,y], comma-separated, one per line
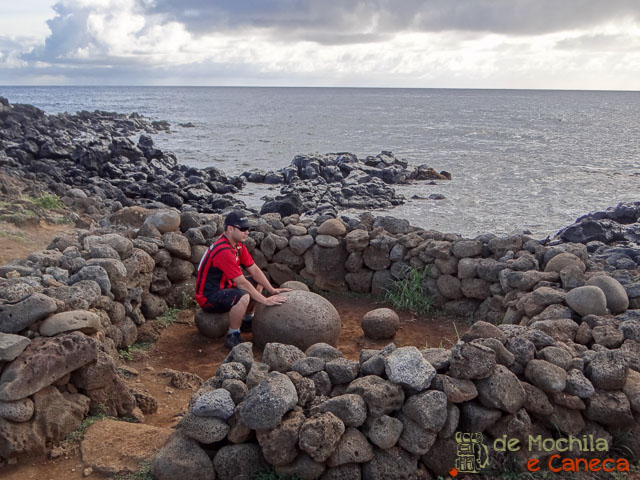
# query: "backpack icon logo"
[472,454]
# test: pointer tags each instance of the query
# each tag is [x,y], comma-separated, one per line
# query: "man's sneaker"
[233,339]
[247,320]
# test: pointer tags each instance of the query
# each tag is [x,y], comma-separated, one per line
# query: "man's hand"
[275,300]
[276,291]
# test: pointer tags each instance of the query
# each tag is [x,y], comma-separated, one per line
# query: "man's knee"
[244,300]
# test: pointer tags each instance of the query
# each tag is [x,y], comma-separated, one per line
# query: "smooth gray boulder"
[563,260]
[305,319]
[212,325]
[11,346]
[18,316]
[164,220]
[74,320]
[616,295]
[587,300]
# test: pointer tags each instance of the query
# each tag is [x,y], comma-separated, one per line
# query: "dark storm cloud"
[335,21]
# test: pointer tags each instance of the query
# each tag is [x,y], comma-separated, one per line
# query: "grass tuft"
[188,301]
[169,316]
[127,354]
[408,294]
[78,434]
[47,201]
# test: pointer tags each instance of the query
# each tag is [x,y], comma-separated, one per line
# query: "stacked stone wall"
[569,339]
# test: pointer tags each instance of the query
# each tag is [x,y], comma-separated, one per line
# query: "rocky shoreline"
[93,155]
[554,350]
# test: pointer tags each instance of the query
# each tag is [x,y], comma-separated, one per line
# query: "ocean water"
[520,159]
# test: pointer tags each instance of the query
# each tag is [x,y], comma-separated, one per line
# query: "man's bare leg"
[237,312]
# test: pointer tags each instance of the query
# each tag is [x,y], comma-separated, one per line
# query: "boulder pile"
[334,181]
[66,311]
[612,236]
[570,338]
[90,161]
[394,413]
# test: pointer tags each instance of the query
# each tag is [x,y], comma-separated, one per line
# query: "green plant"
[77,435]
[408,294]
[271,474]
[48,201]
[188,301]
[144,473]
[620,440]
[63,221]
[169,316]
[128,353]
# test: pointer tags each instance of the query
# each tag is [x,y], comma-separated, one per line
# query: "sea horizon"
[324,87]
[521,160]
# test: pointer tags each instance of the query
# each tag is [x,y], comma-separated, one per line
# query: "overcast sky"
[564,44]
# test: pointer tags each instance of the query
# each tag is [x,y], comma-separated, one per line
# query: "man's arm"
[242,282]
[261,279]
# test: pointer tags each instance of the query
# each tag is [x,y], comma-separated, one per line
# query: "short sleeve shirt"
[219,266]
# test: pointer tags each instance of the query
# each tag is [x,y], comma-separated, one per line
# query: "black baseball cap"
[237,219]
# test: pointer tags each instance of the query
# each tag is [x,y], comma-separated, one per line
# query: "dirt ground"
[19,242]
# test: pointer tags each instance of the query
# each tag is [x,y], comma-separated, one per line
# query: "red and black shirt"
[219,265]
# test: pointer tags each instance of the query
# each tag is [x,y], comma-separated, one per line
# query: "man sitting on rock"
[221,286]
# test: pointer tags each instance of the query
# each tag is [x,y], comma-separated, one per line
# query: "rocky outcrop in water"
[315,183]
[612,236]
[91,154]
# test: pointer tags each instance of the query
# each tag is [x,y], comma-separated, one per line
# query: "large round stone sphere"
[295,285]
[380,324]
[212,325]
[306,318]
